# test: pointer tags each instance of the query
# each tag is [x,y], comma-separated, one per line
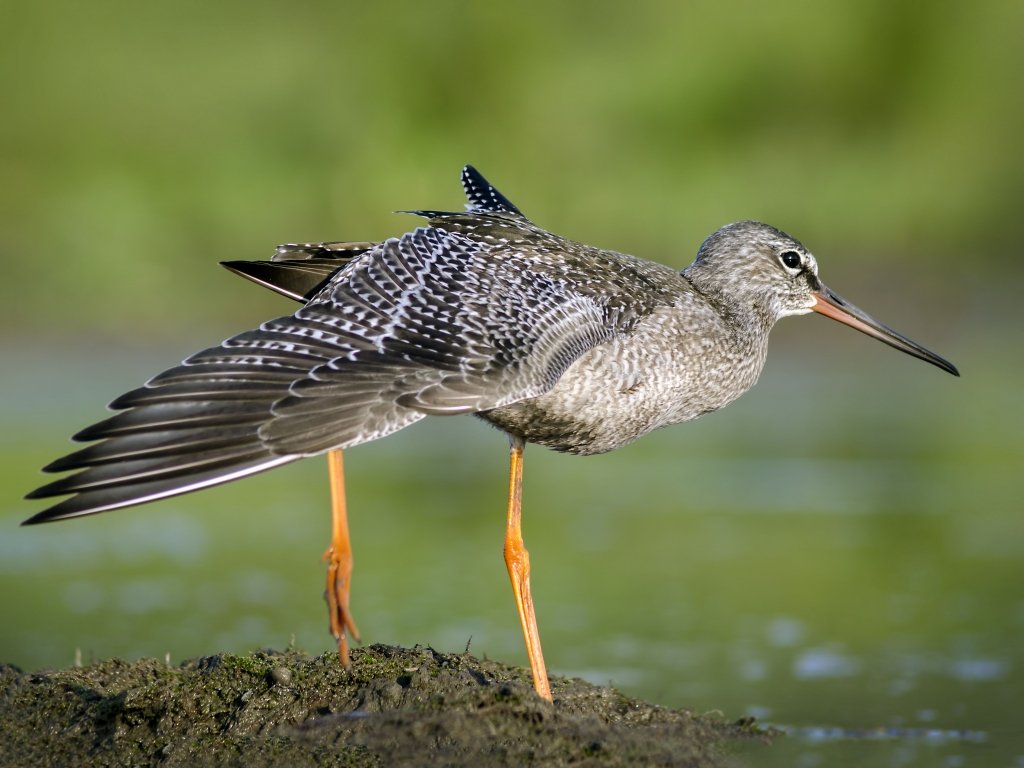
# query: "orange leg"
[517,560]
[339,562]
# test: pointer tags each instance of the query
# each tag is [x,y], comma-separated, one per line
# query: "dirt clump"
[394,707]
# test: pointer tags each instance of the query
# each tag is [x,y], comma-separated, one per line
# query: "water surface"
[839,554]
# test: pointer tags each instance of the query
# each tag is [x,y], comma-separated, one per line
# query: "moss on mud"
[395,707]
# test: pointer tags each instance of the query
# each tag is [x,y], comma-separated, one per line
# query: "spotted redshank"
[554,342]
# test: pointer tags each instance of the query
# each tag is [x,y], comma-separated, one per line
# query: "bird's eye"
[790,259]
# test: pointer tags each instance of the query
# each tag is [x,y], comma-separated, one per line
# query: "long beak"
[835,306]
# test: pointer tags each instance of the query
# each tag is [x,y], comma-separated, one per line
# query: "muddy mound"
[395,707]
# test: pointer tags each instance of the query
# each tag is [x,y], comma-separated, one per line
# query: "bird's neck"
[742,312]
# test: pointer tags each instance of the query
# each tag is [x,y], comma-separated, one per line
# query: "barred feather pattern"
[553,341]
[474,312]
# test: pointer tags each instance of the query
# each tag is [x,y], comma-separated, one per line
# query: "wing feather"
[446,319]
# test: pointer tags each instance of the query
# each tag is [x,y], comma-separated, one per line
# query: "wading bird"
[552,341]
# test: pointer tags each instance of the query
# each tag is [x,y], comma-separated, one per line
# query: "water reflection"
[175,538]
[892,747]
[818,663]
[979,670]
[819,734]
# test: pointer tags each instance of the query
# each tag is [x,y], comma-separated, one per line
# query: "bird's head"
[750,269]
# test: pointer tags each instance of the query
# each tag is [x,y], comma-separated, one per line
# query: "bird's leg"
[517,560]
[339,562]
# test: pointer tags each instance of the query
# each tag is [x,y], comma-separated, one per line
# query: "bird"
[554,342]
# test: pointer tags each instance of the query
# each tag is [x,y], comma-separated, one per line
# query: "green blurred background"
[843,547]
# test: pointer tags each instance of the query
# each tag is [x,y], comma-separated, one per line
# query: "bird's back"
[658,352]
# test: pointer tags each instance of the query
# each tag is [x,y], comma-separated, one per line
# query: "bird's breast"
[663,373]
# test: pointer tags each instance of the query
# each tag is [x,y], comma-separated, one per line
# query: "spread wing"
[432,323]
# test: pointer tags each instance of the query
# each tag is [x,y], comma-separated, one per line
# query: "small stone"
[281,676]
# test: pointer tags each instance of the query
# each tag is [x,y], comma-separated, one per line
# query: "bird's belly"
[546,422]
[604,401]
[586,417]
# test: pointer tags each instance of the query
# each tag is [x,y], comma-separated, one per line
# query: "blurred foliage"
[143,142]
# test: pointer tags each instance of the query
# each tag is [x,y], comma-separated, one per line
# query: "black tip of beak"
[832,305]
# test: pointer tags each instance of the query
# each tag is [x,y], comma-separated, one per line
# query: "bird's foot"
[342,625]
